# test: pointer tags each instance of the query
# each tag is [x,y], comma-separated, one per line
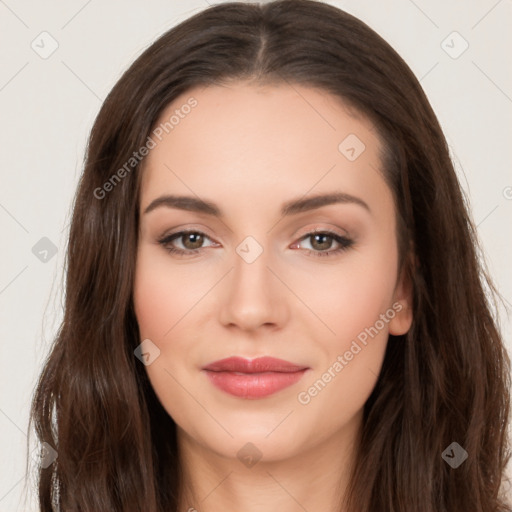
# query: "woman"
[273,286]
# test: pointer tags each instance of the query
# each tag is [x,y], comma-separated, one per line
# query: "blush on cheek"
[361,335]
[164,295]
[156,314]
[153,302]
[350,297]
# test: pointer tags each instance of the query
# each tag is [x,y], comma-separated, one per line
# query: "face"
[265,269]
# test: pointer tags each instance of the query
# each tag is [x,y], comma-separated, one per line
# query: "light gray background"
[48,107]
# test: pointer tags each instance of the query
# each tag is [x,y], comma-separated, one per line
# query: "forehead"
[256,142]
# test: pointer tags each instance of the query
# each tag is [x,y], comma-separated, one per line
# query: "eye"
[191,241]
[321,241]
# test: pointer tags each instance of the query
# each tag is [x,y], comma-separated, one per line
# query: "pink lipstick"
[253,379]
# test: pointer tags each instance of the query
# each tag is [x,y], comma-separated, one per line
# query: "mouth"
[253,379]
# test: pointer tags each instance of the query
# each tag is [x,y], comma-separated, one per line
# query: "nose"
[252,296]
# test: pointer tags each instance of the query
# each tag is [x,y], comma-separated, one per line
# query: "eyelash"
[344,242]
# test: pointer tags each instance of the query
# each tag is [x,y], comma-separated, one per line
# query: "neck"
[213,482]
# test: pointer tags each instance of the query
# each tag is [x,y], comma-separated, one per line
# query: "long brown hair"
[447,380]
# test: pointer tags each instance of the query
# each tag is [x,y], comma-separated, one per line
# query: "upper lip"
[258,365]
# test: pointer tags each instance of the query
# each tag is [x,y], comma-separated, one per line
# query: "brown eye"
[192,240]
[321,242]
[185,243]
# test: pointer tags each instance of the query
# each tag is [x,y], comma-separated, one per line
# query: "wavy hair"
[447,380]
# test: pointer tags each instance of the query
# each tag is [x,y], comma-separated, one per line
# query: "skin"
[248,149]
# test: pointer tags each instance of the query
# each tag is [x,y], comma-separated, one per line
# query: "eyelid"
[176,235]
[185,229]
[331,231]
[303,232]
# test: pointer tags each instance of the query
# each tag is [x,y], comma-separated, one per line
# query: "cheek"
[350,297]
[163,299]
[355,303]
[164,294]
[154,301]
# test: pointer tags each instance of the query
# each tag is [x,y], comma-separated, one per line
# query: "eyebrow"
[292,207]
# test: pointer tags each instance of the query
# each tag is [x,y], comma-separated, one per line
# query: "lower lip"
[253,385]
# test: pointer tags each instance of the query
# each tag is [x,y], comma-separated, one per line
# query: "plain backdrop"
[60,59]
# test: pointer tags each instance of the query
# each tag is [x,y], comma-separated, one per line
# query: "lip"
[253,379]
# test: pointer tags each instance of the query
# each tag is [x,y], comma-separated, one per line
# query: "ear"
[402,302]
